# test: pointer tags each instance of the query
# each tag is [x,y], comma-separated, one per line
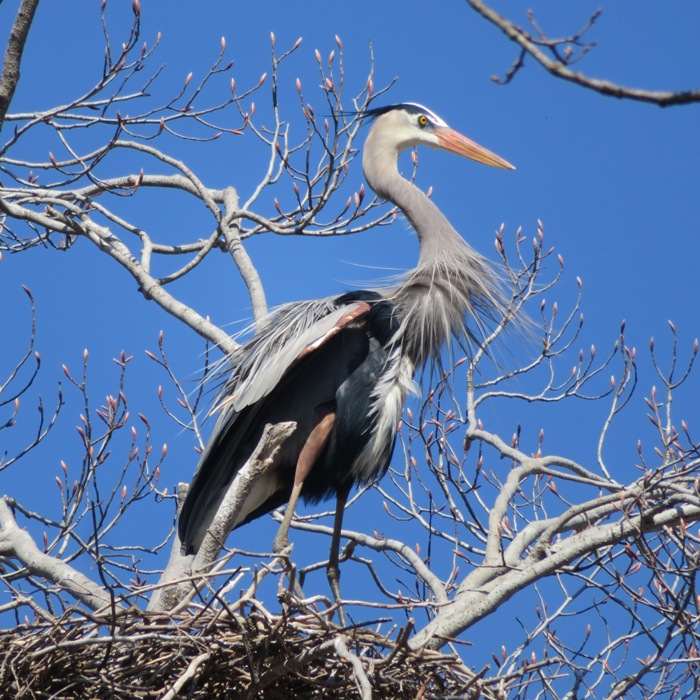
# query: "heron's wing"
[293,332]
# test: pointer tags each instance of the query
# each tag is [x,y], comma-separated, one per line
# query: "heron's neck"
[435,233]
[451,281]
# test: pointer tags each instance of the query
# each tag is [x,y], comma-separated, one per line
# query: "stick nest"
[217,655]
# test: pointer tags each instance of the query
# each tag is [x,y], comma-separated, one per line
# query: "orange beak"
[454,142]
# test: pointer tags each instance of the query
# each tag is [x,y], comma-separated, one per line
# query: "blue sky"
[615,183]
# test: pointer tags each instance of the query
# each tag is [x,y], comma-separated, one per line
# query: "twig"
[560,69]
[363,684]
[186,676]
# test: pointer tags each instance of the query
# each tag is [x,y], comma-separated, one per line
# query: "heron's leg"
[307,458]
[282,537]
[333,569]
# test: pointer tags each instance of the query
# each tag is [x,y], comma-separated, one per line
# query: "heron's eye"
[423,121]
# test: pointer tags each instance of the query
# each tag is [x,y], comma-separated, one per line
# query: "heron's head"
[401,126]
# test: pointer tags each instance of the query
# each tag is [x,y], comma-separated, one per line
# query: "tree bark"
[13,54]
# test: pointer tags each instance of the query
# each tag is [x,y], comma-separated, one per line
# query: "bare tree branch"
[181,566]
[556,56]
[19,544]
[232,236]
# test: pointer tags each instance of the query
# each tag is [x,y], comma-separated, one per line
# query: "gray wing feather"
[260,364]
[253,372]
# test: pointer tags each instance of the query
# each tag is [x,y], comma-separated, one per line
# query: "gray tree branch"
[172,591]
[473,603]
[18,544]
[558,65]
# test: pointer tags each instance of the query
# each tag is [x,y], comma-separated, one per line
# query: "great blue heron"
[341,367]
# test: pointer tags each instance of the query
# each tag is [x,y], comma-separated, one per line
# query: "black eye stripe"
[416,112]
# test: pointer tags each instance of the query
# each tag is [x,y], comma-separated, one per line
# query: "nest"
[215,655]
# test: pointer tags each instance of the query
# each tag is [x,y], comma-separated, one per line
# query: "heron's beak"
[454,142]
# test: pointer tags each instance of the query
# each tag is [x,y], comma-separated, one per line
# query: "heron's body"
[342,367]
[345,369]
